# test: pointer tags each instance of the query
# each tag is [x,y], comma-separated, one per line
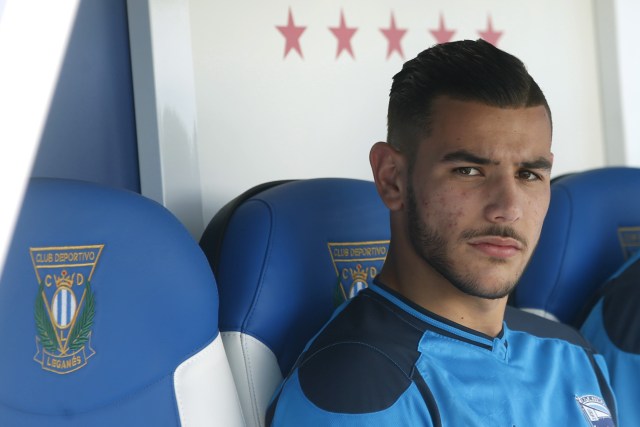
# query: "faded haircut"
[462,70]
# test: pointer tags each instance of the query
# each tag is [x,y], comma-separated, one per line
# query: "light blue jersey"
[612,328]
[383,361]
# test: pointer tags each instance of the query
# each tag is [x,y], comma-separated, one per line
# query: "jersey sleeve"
[294,408]
[360,370]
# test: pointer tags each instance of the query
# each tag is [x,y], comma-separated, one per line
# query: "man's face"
[479,192]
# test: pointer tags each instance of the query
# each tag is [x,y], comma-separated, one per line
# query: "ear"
[389,173]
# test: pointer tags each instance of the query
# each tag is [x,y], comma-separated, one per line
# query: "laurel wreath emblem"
[44,327]
[80,331]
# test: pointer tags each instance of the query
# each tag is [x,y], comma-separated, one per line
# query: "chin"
[491,287]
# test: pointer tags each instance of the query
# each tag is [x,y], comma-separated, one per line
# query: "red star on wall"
[394,36]
[292,35]
[490,34]
[343,34]
[442,35]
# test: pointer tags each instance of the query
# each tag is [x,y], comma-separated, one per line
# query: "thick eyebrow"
[466,156]
[540,163]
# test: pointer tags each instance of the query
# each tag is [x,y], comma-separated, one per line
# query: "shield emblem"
[65,306]
[595,411]
[356,264]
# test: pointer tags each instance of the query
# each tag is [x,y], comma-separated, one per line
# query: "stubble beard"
[432,247]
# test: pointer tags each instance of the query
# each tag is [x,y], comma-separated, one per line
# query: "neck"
[420,283]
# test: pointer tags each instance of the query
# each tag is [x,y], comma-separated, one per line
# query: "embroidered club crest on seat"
[65,306]
[595,411]
[356,264]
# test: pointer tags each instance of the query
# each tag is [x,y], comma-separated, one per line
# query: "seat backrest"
[108,316]
[613,328]
[592,227]
[285,256]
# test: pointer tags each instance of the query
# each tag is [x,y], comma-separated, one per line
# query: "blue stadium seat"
[108,316]
[285,254]
[592,227]
[613,328]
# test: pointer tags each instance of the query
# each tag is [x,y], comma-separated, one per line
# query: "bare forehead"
[473,131]
[445,110]
[454,122]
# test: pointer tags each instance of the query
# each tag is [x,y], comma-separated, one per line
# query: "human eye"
[527,175]
[467,171]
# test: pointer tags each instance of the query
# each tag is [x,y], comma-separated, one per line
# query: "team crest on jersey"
[595,411]
[629,240]
[356,264]
[65,306]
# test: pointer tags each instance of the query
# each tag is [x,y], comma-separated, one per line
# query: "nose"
[504,201]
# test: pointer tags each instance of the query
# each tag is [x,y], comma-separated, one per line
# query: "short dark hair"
[464,70]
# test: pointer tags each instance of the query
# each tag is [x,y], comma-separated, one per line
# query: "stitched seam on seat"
[555,288]
[178,392]
[265,263]
[250,383]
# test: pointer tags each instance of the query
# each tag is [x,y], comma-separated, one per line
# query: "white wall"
[166,121]
[263,116]
[220,109]
[627,16]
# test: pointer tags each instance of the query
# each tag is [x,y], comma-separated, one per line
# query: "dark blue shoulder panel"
[363,361]
[620,309]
